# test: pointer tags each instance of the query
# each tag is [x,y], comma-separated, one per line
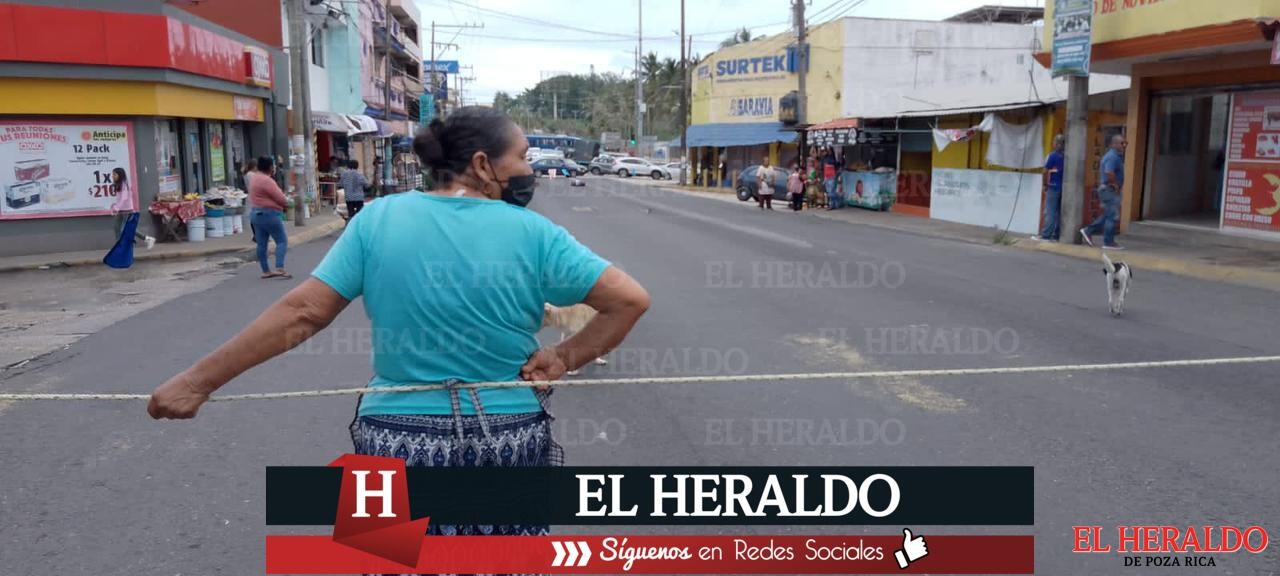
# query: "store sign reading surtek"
[748,69]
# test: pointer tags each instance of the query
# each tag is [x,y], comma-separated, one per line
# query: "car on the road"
[749,183]
[602,164]
[542,166]
[574,167]
[675,169]
[633,166]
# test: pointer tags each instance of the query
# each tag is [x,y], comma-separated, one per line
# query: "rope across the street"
[690,379]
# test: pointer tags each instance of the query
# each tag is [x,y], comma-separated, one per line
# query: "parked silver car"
[632,166]
[602,164]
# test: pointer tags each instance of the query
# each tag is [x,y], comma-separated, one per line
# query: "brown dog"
[570,321]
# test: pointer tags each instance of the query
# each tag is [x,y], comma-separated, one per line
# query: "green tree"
[740,37]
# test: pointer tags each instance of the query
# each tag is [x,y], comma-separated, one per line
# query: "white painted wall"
[987,198]
[886,62]
[319,79]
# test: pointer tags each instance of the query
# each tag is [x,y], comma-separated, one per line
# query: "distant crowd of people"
[816,183]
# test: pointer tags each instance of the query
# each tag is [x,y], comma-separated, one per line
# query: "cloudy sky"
[522,40]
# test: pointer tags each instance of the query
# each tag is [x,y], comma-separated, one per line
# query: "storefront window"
[168,157]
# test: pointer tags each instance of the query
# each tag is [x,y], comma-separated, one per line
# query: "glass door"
[169,157]
[192,157]
[1185,158]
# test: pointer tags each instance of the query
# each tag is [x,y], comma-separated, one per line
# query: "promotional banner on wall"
[987,198]
[59,169]
[1072,37]
[1251,197]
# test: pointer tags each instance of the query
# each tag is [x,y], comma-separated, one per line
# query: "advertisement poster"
[1072,37]
[217,155]
[1251,196]
[59,169]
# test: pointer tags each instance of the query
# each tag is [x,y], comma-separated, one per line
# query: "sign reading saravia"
[753,106]
[54,169]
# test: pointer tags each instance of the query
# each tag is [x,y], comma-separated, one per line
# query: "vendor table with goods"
[173,214]
[222,206]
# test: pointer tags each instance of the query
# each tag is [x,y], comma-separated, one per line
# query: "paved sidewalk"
[1203,254]
[319,226]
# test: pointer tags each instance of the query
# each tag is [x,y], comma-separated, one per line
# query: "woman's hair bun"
[447,146]
[429,145]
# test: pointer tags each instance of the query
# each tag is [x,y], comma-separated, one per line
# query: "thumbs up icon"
[912,549]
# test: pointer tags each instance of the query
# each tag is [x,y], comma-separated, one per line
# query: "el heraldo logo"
[1170,545]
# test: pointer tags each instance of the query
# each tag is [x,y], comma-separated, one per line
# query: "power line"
[529,20]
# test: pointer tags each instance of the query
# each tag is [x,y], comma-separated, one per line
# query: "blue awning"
[738,134]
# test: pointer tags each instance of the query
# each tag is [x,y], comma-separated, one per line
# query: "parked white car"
[675,169]
[632,166]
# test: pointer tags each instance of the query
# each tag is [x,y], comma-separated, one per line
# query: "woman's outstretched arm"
[293,319]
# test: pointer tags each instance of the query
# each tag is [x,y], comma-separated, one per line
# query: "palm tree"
[740,37]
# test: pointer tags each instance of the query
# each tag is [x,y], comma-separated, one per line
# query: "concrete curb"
[308,234]
[1211,272]
[1202,271]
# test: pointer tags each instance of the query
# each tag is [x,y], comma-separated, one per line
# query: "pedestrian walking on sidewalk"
[1109,193]
[1053,170]
[475,218]
[353,184]
[795,189]
[123,207]
[764,188]
[267,217]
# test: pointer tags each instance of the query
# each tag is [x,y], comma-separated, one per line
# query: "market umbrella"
[121,255]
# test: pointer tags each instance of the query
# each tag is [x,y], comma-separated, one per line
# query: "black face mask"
[518,191]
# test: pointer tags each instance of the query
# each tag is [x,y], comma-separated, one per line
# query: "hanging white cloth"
[1015,145]
[944,138]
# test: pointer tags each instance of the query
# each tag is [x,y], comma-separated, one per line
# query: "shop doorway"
[1185,159]
[193,177]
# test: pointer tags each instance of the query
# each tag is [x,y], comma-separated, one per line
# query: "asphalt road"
[99,488]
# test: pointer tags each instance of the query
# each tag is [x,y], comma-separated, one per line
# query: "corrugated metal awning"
[738,134]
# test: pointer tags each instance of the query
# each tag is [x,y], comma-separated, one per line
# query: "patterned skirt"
[457,440]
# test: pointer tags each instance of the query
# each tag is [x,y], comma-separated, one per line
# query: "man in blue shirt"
[1053,167]
[1112,171]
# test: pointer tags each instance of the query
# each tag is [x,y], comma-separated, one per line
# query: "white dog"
[570,320]
[1119,278]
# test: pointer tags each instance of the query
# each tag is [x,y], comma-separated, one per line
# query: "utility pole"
[435,82]
[387,172]
[684,100]
[639,74]
[1073,179]
[301,121]
[802,61]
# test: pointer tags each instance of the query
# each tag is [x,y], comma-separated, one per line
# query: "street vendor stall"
[868,157]
[870,177]
[172,217]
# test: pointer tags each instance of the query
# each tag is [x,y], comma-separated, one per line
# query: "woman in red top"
[267,217]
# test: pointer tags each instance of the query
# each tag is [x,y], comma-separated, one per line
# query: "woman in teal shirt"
[454,282]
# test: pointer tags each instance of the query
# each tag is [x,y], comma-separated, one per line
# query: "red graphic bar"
[597,554]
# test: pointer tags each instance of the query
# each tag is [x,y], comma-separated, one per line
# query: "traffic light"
[633,137]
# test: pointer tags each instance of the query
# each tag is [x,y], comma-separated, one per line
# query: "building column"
[1135,159]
